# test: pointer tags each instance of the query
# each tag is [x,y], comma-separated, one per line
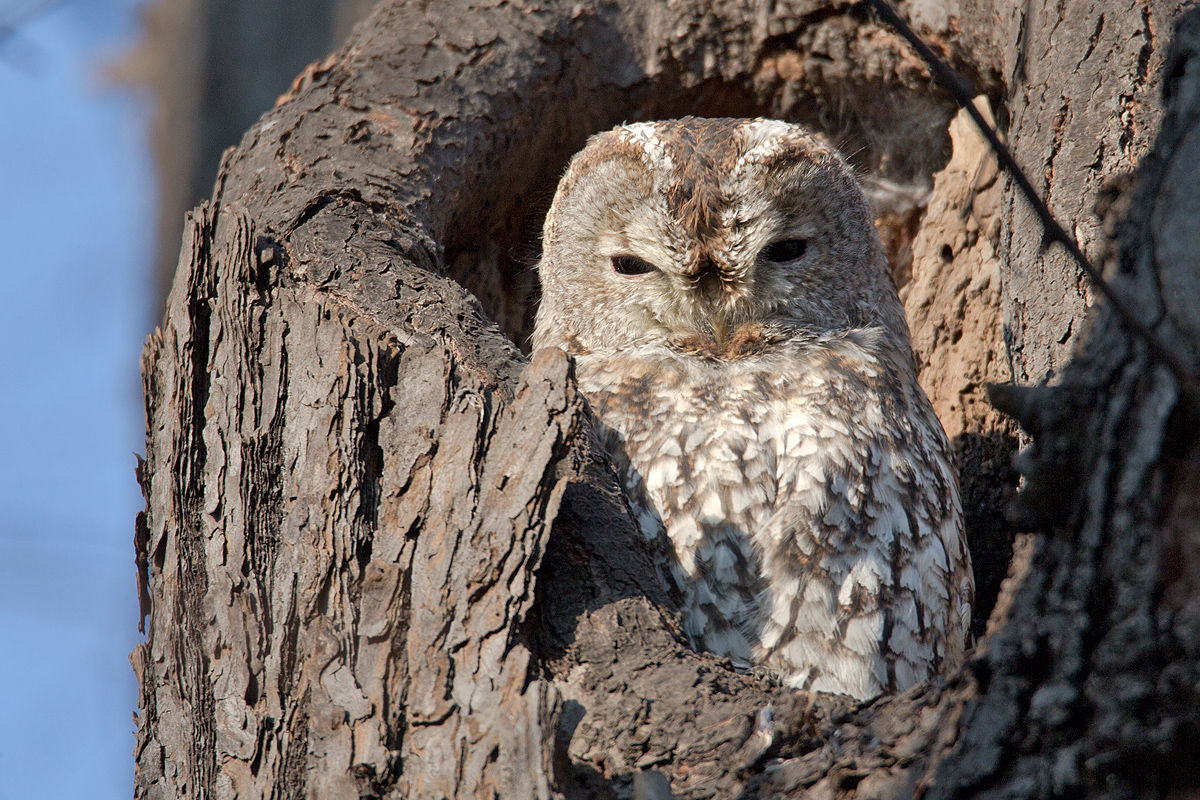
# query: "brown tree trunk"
[382,556]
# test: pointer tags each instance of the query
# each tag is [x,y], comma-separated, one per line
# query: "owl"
[738,335]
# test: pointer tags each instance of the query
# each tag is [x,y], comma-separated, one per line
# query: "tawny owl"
[739,337]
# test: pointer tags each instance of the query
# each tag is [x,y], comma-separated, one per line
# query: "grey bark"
[381,555]
[1095,690]
[1082,82]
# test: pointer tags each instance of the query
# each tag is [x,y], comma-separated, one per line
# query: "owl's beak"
[718,289]
[720,331]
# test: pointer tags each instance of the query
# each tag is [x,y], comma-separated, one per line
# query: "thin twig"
[11,22]
[964,95]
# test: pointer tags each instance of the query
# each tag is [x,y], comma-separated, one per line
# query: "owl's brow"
[600,149]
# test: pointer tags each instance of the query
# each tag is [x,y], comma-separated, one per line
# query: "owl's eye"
[784,250]
[631,265]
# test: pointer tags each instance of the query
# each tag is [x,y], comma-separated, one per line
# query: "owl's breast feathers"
[806,489]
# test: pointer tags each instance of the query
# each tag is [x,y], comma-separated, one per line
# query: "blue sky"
[76,242]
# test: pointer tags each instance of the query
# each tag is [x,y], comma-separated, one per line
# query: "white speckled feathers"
[723,290]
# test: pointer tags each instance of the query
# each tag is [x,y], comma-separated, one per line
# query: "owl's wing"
[869,578]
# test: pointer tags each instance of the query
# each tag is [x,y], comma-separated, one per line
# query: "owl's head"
[690,228]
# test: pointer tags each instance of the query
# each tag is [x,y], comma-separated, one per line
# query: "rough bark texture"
[1092,688]
[1083,104]
[382,556]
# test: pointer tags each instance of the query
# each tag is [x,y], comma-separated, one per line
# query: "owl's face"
[694,228]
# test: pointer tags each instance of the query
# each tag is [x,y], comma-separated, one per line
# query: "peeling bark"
[954,310]
[383,557]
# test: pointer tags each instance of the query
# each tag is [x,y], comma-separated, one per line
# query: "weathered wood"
[298,611]
[1091,689]
[382,556]
[1083,106]
[954,310]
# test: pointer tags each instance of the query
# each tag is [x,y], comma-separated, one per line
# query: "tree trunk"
[382,555]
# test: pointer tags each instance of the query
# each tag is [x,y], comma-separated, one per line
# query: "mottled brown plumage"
[738,335]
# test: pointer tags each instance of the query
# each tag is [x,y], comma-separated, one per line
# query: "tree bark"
[383,557]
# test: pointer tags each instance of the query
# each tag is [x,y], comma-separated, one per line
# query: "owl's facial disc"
[695,229]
